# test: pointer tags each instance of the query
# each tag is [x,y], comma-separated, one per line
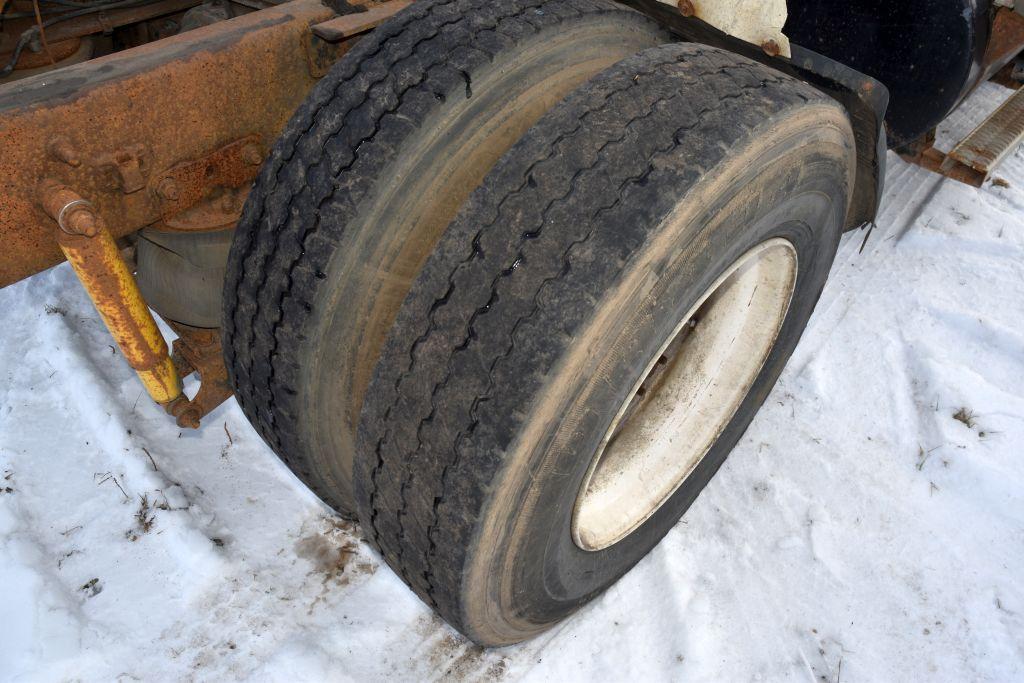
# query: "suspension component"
[92,252]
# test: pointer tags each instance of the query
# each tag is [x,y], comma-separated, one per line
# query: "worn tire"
[366,176]
[559,279]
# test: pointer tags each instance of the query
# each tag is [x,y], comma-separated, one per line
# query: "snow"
[860,532]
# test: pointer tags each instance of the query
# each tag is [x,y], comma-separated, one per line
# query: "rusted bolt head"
[228,202]
[686,8]
[81,221]
[189,418]
[61,149]
[771,48]
[168,189]
[251,155]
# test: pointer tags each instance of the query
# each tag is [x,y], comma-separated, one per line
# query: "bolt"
[73,214]
[189,418]
[251,155]
[771,48]
[61,149]
[168,189]
[81,221]
[686,8]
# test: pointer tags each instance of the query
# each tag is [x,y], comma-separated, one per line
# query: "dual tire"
[531,404]
[365,179]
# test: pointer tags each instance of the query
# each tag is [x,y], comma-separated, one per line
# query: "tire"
[536,322]
[365,178]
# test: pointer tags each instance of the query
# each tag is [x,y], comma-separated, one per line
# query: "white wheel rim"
[681,405]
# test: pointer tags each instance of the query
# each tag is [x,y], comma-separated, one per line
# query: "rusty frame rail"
[169,135]
[115,127]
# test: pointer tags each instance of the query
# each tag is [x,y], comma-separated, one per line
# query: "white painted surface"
[755,21]
[858,533]
[655,442]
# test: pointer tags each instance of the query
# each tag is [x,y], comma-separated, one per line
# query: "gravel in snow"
[870,526]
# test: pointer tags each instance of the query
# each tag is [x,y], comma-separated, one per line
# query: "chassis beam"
[115,128]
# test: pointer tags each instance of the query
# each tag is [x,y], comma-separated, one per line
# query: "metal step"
[991,142]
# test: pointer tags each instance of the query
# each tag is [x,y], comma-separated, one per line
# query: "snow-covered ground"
[869,527]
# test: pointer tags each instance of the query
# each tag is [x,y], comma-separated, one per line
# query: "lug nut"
[686,8]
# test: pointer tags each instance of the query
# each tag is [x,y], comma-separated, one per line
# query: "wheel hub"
[687,396]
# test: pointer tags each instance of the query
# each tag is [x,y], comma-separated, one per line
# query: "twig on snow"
[107,476]
[151,461]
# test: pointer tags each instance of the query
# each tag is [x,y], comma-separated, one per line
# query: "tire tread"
[502,296]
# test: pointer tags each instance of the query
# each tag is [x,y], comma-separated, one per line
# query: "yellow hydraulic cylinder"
[93,254]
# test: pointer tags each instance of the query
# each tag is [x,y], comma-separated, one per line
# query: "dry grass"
[144,519]
[966,416]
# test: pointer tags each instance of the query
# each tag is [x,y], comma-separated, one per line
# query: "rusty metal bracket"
[1005,43]
[320,54]
[126,167]
[935,160]
[208,193]
[198,350]
[96,259]
[324,41]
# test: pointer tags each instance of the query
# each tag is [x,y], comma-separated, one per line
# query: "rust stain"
[1005,42]
[771,48]
[686,8]
[166,103]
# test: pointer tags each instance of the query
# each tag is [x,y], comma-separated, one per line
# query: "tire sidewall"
[527,572]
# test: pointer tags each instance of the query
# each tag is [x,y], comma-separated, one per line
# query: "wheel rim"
[688,394]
